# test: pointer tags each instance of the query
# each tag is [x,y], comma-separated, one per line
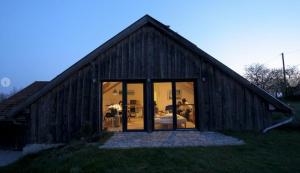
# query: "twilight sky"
[40,39]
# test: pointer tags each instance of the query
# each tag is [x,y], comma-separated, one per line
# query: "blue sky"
[40,39]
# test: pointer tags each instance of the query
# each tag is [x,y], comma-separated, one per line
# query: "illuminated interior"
[163,118]
[185,105]
[112,106]
[135,106]
[163,107]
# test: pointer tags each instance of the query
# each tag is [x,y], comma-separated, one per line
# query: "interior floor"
[135,123]
[138,124]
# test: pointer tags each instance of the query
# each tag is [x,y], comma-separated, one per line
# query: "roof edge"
[84,61]
[277,103]
[17,94]
[127,31]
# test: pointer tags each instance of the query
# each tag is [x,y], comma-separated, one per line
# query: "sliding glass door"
[163,108]
[135,106]
[122,106]
[174,112]
[112,106]
[185,105]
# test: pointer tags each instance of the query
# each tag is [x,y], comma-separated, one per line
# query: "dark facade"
[13,130]
[146,51]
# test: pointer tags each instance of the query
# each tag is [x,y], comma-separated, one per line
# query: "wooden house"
[145,78]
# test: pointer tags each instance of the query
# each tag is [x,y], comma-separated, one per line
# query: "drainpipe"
[280,123]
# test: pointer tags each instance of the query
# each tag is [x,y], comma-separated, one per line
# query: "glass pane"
[185,107]
[112,106]
[135,106]
[163,118]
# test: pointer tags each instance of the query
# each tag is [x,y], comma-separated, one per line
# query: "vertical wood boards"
[223,103]
[217,100]
[205,108]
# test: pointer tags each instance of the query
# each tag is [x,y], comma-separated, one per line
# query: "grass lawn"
[296,106]
[277,151]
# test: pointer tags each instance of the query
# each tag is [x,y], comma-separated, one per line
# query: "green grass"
[296,106]
[277,151]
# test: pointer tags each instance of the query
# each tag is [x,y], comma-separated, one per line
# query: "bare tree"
[276,82]
[293,76]
[257,74]
[272,80]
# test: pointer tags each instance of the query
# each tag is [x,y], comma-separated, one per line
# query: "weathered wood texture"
[223,103]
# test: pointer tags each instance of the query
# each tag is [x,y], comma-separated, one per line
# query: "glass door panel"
[112,106]
[185,105]
[135,106]
[163,116]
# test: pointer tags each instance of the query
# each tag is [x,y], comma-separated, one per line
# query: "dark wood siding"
[223,103]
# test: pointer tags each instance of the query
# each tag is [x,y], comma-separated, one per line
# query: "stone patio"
[169,139]
[8,157]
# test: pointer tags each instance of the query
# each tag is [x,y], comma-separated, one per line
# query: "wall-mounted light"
[115,92]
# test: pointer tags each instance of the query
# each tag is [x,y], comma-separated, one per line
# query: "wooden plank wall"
[223,104]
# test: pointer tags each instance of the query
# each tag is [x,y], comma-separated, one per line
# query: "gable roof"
[129,30]
[11,102]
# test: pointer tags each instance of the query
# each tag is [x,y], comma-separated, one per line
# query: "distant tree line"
[272,80]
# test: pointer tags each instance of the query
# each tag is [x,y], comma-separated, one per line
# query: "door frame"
[124,83]
[149,108]
[124,113]
[173,83]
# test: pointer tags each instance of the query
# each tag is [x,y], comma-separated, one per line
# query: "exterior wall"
[147,54]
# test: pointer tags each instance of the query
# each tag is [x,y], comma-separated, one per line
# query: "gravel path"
[169,139]
[7,157]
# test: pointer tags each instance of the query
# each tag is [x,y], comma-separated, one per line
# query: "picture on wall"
[178,94]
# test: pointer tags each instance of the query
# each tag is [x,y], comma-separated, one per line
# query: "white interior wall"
[109,98]
[161,94]
[163,89]
[187,91]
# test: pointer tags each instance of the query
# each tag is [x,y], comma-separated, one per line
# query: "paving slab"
[169,139]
